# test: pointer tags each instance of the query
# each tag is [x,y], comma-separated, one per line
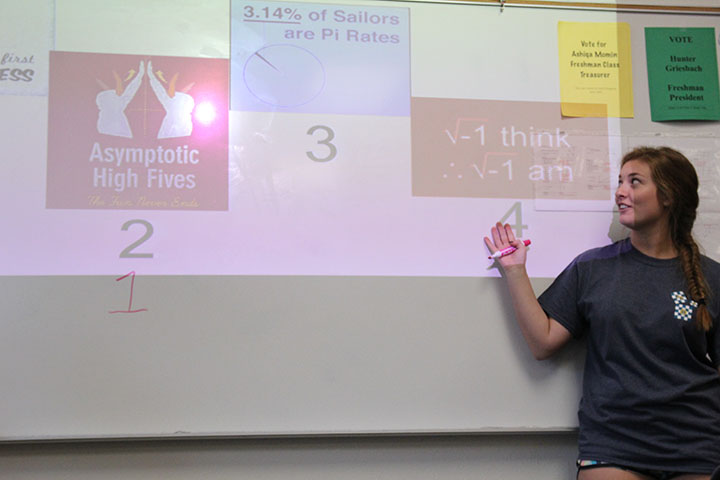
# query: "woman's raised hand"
[503,237]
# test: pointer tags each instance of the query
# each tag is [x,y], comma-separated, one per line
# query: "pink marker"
[507,251]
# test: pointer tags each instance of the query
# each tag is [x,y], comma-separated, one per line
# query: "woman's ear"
[664,200]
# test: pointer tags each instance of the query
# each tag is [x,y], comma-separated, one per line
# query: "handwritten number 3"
[128,252]
[332,153]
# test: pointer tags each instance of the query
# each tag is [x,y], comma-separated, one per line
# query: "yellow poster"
[595,69]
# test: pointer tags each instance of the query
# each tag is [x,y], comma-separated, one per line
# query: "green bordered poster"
[682,74]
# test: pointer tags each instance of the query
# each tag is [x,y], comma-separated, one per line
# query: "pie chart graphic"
[284,75]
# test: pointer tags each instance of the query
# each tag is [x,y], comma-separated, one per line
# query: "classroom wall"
[491,456]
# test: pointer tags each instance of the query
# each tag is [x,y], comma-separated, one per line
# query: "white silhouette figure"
[178,108]
[112,104]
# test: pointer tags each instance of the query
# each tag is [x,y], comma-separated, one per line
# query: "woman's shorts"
[656,474]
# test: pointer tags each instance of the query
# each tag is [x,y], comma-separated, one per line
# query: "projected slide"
[25,40]
[506,149]
[132,132]
[304,153]
[320,58]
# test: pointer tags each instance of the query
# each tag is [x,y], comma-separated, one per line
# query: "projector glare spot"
[205,113]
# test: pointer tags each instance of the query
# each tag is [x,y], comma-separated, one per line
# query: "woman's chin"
[626,221]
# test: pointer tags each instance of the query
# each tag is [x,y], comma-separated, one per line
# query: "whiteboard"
[280,260]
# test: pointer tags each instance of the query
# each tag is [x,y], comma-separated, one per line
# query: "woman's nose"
[620,192]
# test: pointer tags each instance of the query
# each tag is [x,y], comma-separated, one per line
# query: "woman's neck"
[656,244]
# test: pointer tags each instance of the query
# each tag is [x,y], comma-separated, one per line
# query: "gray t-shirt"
[651,388]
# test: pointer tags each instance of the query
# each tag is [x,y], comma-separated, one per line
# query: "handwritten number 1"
[132,286]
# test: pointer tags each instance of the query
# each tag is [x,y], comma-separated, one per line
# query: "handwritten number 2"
[128,252]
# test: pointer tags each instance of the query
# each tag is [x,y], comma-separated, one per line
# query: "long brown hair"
[677,184]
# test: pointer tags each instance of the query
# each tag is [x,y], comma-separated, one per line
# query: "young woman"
[649,306]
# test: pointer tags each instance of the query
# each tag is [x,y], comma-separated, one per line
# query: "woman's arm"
[543,335]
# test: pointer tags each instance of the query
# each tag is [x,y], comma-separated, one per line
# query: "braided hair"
[677,184]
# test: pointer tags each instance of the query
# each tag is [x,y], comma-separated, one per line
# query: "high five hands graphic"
[112,103]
